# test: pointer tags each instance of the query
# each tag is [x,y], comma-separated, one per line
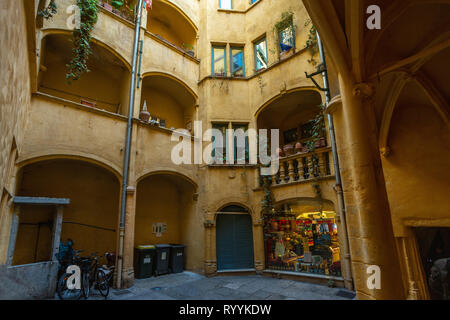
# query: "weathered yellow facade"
[68,140]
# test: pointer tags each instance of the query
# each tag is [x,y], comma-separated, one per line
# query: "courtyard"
[192,286]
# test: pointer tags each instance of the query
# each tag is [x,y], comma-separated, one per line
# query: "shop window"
[219,63]
[261,60]
[287,41]
[226,4]
[237,62]
[303,242]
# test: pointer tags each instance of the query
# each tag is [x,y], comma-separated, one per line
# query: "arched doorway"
[234,239]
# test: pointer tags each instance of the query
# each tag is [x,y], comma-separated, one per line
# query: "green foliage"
[267,202]
[317,130]
[49,11]
[82,39]
[117,4]
[311,44]
[287,20]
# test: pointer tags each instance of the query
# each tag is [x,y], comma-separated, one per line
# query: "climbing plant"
[286,21]
[82,39]
[311,42]
[49,11]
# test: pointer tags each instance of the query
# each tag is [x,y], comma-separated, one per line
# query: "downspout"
[338,188]
[126,162]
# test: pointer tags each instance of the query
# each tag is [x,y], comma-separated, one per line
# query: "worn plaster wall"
[14,104]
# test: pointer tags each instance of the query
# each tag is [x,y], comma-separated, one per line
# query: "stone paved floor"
[192,286]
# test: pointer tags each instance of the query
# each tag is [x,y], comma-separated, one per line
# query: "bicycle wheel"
[64,293]
[102,283]
[85,284]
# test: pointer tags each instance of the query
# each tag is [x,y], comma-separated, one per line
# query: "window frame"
[255,44]
[235,126]
[224,47]
[223,160]
[293,37]
[220,5]
[243,61]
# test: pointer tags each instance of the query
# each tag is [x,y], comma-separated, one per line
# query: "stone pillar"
[128,252]
[258,244]
[370,229]
[13,235]
[210,263]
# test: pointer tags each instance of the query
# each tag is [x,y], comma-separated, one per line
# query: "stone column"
[128,252]
[210,263]
[370,229]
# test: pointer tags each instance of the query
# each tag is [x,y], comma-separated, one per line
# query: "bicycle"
[62,288]
[98,278]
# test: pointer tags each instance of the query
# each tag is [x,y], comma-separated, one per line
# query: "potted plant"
[189,48]
[288,149]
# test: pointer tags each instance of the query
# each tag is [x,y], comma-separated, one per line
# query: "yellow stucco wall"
[184,196]
[14,105]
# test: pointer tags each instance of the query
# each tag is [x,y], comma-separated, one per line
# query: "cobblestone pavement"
[192,286]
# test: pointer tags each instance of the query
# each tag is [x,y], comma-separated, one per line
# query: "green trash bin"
[144,261]
[162,259]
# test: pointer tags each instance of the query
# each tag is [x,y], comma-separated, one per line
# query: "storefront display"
[307,242]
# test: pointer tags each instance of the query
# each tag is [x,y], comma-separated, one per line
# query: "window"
[287,39]
[237,62]
[240,147]
[253,1]
[261,54]
[226,4]
[240,143]
[220,143]
[219,63]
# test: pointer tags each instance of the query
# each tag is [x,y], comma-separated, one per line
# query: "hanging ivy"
[287,20]
[49,11]
[311,44]
[82,39]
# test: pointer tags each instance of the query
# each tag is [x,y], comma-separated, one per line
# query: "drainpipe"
[338,188]
[126,162]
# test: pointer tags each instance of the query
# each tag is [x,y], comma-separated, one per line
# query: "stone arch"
[80,156]
[55,31]
[280,95]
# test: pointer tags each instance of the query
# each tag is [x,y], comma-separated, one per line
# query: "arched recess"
[104,87]
[234,238]
[169,198]
[170,99]
[90,219]
[292,113]
[428,91]
[169,22]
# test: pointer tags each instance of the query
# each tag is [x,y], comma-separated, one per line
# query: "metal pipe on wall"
[126,162]
[341,203]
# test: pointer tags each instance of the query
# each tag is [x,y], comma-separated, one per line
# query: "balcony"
[302,167]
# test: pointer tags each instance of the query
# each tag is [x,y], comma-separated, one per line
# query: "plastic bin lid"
[147,246]
[177,245]
[162,246]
